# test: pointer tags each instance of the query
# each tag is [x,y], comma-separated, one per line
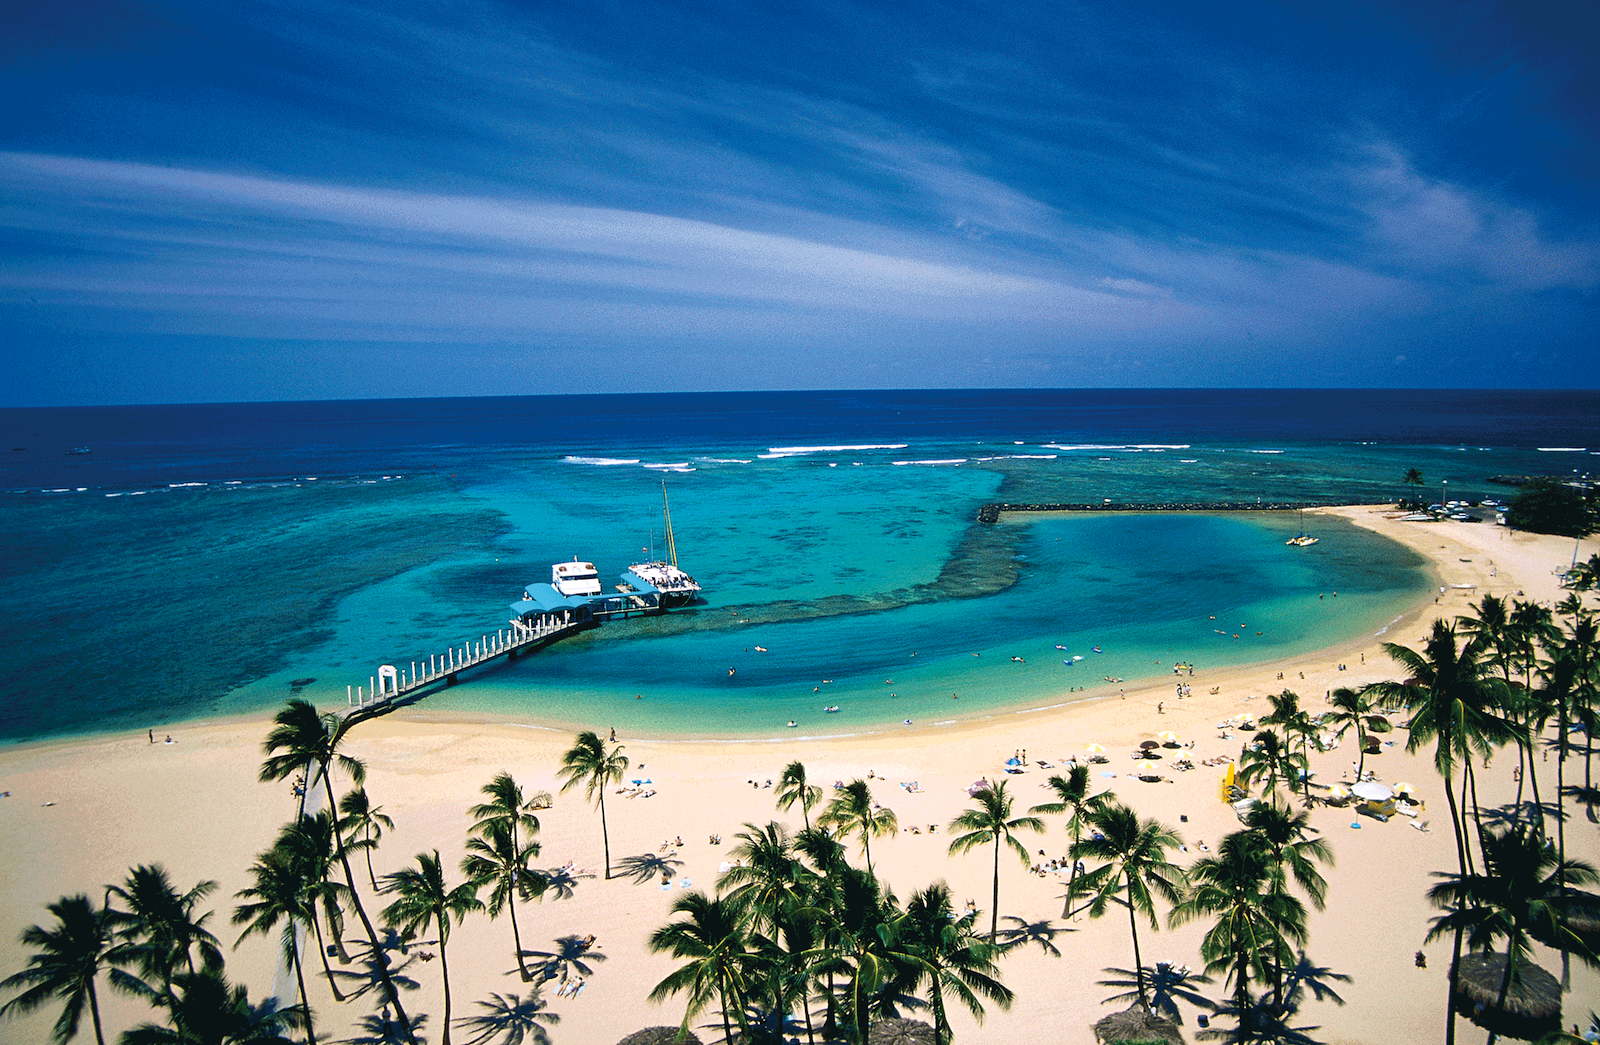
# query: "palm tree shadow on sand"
[570,954]
[1168,984]
[1025,932]
[1263,1021]
[647,867]
[510,1020]
[381,1029]
[366,977]
[560,883]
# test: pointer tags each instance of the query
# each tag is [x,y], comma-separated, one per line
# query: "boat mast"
[666,513]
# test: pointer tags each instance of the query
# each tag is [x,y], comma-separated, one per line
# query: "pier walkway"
[390,684]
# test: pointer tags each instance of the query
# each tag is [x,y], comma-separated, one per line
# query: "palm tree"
[793,789]
[988,822]
[765,877]
[279,895]
[935,945]
[1449,682]
[1413,478]
[1253,921]
[769,889]
[1350,710]
[1073,798]
[66,962]
[1521,892]
[304,741]
[207,1010]
[159,929]
[308,845]
[711,935]
[1265,758]
[1284,837]
[852,810]
[507,805]
[496,860]
[1135,852]
[590,764]
[363,823]
[421,899]
[1297,726]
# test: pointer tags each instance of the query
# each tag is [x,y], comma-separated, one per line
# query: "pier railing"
[392,683]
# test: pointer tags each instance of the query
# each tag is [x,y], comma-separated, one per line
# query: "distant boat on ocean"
[79,450]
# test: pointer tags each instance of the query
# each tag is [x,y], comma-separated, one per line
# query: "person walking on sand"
[152,736]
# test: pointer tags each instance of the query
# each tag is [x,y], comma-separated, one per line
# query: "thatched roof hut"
[1532,1006]
[1136,1023]
[658,1036]
[901,1032]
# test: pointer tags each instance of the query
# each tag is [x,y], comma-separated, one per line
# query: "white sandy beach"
[81,812]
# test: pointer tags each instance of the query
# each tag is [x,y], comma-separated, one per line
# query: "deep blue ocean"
[212,559]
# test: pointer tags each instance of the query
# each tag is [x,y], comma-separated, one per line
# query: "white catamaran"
[676,587]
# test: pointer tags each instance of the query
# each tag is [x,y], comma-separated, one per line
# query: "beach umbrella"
[1532,1005]
[1136,1023]
[659,1036]
[1405,790]
[1338,793]
[1094,749]
[1148,744]
[901,1032]
[1013,761]
[1168,737]
[1372,791]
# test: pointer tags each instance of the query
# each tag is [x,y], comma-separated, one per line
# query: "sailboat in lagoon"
[1303,538]
[677,588]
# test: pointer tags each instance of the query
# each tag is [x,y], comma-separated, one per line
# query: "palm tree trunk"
[1532,773]
[379,959]
[94,1013]
[444,969]
[866,843]
[994,910]
[516,936]
[300,976]
[722,992]
[1241,988]
[1477,813]
[370,875]
[1455,953]
[1361,742]
[605,836]
[1138,966]
[322,951]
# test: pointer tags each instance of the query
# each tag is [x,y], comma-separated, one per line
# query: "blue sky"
[261,200]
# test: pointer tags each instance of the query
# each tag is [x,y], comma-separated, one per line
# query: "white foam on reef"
[952,460]
[1563,449]
[724,460]
[180,486]
[601,461]
[1266,451]
[1132,448]
[678,464]
[795,451]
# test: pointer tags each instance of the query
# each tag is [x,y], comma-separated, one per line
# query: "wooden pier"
[384,690]
[392,683]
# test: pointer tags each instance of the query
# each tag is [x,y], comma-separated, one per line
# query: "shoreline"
[1046,697]
[84,810]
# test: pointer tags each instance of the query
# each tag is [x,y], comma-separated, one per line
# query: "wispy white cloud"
[1434,226]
